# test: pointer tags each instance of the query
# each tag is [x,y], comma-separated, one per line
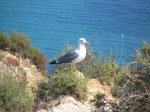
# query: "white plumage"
[75,55]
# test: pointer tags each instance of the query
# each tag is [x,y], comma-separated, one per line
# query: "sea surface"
[118,25]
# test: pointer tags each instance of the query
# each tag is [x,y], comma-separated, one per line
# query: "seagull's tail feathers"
[54,62]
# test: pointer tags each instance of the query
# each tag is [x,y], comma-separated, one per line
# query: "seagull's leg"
[76,72]
[74,68]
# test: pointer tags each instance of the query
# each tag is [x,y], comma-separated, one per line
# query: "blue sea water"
[50,23]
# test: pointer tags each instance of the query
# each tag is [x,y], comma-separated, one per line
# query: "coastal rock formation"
[21,70]
[24,70]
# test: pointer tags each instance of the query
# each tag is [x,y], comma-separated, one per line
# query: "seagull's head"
[82,41]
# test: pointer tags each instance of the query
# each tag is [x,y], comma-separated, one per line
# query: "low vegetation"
[131,87]
[130,84]
[14,96]
[64,82]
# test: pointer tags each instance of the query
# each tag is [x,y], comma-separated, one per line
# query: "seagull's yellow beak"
[87,43]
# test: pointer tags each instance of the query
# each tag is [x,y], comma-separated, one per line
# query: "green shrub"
[98,100]
[5,41]
[132,86]
[146,48]
[31,52]
[64,82]
[20,43]
[13,94]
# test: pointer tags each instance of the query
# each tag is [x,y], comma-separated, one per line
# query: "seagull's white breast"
[81,50]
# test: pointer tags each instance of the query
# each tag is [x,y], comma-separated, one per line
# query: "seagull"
[73,56]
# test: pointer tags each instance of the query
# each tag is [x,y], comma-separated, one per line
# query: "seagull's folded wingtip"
[52,62]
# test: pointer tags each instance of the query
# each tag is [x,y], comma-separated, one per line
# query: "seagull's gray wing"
[68,57]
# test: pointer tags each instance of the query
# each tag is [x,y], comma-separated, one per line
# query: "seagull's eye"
[81,40]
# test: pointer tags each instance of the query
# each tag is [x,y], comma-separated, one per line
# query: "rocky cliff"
[21,69]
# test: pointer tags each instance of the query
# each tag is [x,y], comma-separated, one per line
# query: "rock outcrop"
[94,87]
[21,70]
[69,104]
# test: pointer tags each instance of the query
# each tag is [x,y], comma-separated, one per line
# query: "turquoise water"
[50,23]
